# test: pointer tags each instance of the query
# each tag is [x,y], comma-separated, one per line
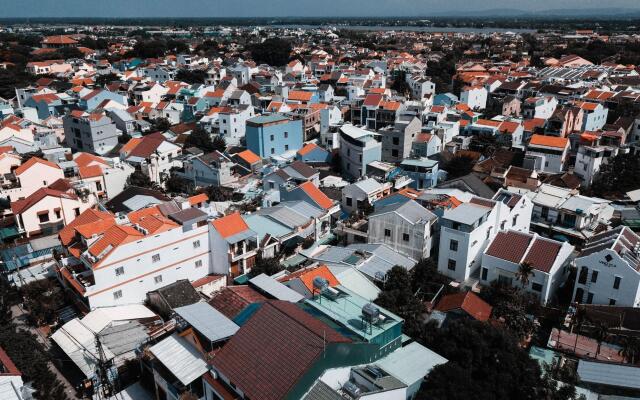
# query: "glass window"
[43,217]
[589,298]
[198,263]
[196,244]
[155,258]
[453,245]
[537,287]
[387,232]
[616,282]
[485,273]
[612,302]
[594,276]
[405,237]
[117,294]
[451,265]
[119,271]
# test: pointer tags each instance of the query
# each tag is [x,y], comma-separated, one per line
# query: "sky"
[283,8]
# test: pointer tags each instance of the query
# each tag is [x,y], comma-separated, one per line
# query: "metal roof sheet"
[609,374]
[180,358]
[210,322]
[275,289]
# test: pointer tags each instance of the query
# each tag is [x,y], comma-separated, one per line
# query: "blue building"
[273,135]
[313,154]
[423,171]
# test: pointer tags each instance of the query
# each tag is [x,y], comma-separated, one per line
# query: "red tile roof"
[468,302]
[88,217]
[306,276]
[549,141]
[510,246]
[543,254]
[91,171]
[20,206]
[231,300]
[307,149]
[249,156]
[273,349]
[198,198]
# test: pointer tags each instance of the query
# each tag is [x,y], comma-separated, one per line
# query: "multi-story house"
[211,169]
[405,227]
[153,155]
[467,230]
[589,160]
[539,107]
[567,214]
[594,116]
[93,132]
[376,112]
[30,176]
[232,123]
[509,250]
[357,195]
[358,147]
[609,269]
[421,87]
[273,135]
[475,97]
[114,261]
[422,171]
[397,139]
[297,172]
[233,244]
[547,153]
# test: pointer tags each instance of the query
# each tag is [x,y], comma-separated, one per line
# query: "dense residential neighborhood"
[265,212]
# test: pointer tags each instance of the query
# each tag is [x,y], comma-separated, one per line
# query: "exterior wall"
[417,247]
[34,178]
[355,158]
[233,126]
[396,143]
[550,162]
[595,120]
[115,179]
[628,293]
[177,261]
[475,98]
[259,138]
[95,136]
[204,175]
[30,223]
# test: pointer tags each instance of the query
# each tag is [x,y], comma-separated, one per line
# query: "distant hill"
[561,12]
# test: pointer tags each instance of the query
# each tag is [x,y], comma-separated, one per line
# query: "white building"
[589,160]
[539,107]
[467,230]
[547,154]
[609,269]
[232,123]
[549,259]
[405,227]
[475,97]
[358,147]
[356,195]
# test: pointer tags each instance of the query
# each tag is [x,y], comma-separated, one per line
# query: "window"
[589,298]
[515,220]
[286,147]
[484,274]
[57,212]
[157,279]
[271,137]
[119,271]
[502,225]
[155,258]
[117,294]
[76,211]
[536,286]
[594,276]
[99,186]
[405,237]
[387,232]
[44,183]
[286,135]
[456,226]
[451,265]
[612,302]
[349,201]
[44,217]
[453,245]
[616,282]
[584,271]
[273,151]
[196,244]
[396,141]
[394,153]
[198,263]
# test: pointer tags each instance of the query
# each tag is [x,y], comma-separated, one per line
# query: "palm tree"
[601,334]
[630,348]
[577,320]
[525,271]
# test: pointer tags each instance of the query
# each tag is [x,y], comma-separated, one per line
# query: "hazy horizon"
[285,8]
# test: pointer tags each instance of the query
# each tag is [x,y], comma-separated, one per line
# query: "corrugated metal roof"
[208,321]
[609,374]
[411,363]
[180,358]
[275,289]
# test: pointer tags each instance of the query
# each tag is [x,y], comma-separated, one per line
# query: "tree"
[219,143]
[201,139]
[178,184]
[511,305]
[273,51]
[191,76]
[268,266]
[398,298]
[577,320]
[525,271]
[160,124]
[400,84]
[140,179]
[620,175]
[42,298]
[630,349]
[601,334]
[459,166]
[104,79]
[218,193]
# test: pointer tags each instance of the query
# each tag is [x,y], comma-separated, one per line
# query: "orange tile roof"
[316,195]
[113,237]
[488,122]
[230,225]
[130,145]
[156,224]
[549,141]
[84,159]
[95,228]
[299,95]
[91,171]
[88,217]
[307,149]
[33,161]
[531,124]
[136,216]
[469,302]
[307,275]
[249,156]
[198,198]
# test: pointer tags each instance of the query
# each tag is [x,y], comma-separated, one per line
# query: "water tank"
[320,283]
[351,389]
[370,313]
